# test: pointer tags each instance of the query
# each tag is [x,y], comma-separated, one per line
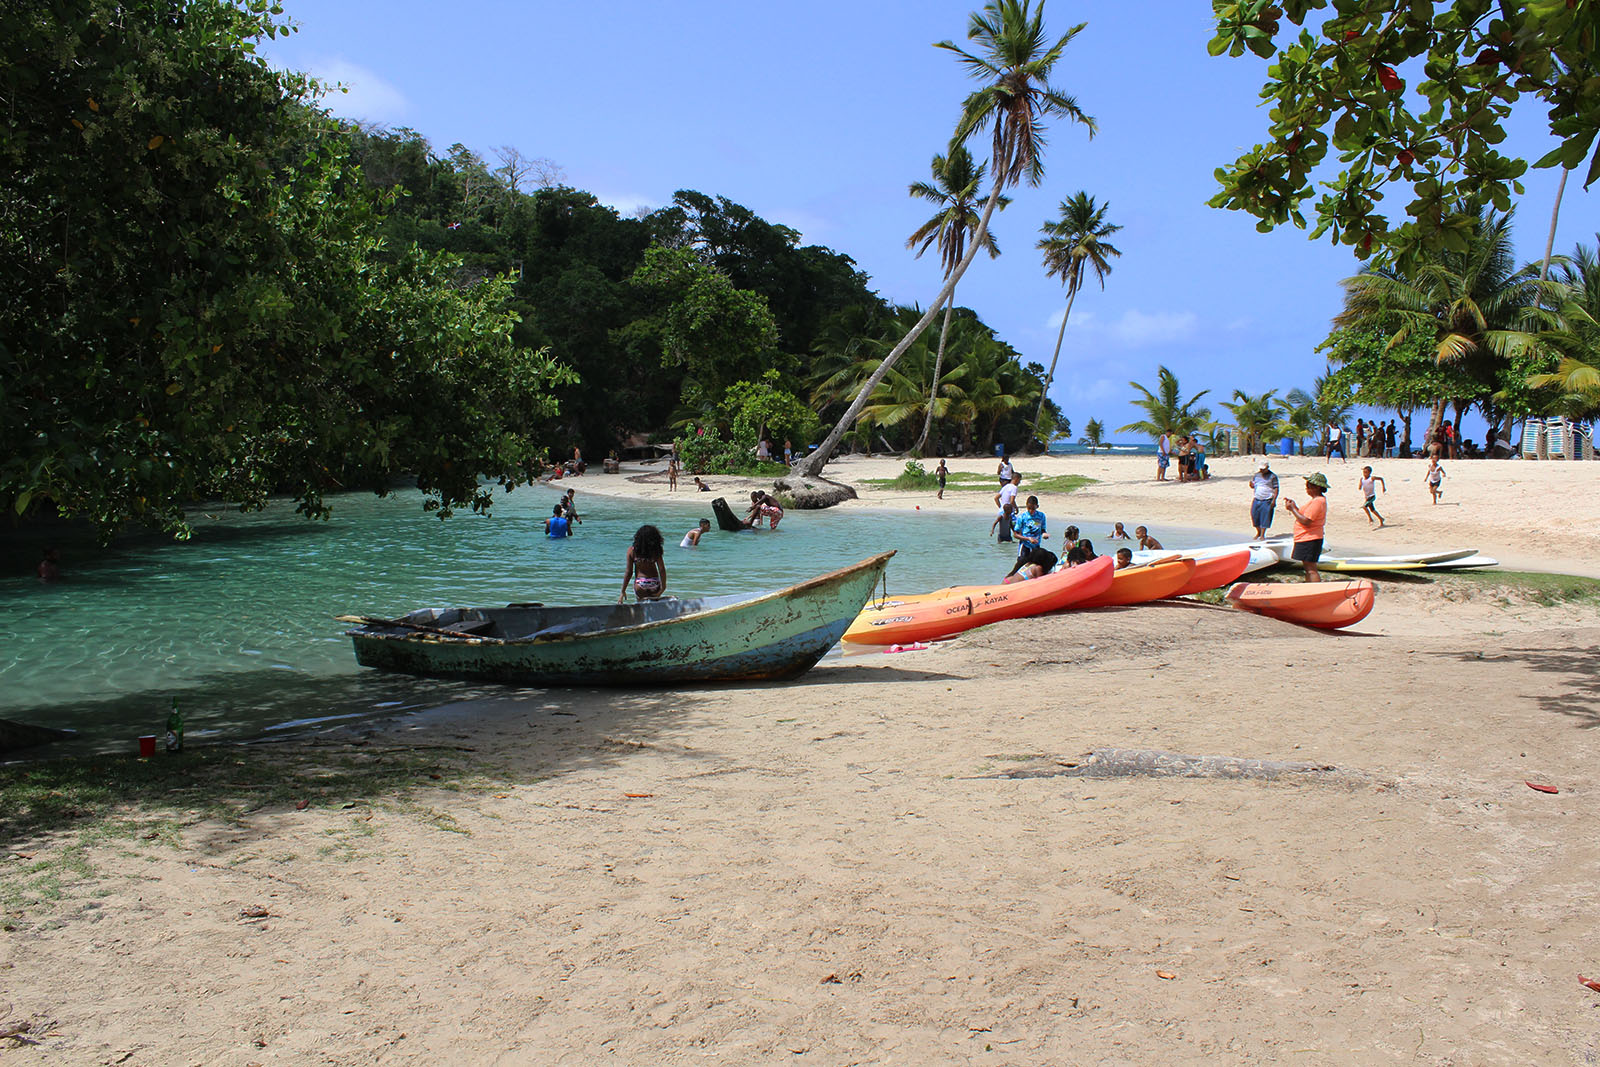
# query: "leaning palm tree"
[1253,416]
[957,180]
[1014,58]
[1094,432]
[1075,241]
[1165,409]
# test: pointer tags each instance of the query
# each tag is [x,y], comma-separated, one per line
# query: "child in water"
[646,567]
[1146,542]
[1119,534]
[692,538]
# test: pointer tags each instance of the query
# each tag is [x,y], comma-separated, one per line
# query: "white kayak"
[1463,563]
[1262,555]
[1417,559]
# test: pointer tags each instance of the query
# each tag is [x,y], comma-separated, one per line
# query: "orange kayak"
[927,617]
[1215,572]
[1327,605]
[1136,585]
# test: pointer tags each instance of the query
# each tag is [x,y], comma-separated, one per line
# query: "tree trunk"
[1050,375]
[1405,436]
[938,368]
[811,466]
[1550,242]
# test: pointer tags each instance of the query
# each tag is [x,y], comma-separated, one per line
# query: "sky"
[819,115]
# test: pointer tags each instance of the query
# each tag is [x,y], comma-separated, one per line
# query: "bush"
[915,476]
[707,452]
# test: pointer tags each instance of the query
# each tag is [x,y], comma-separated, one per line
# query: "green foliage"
[754,407]
[705,451]
[1094,435]
[1165,409]
[196,305]
[1335,86]
[915,476]
[719,333]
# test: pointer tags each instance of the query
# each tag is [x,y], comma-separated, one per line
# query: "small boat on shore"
[1411,562]
[1324,605]
[769,636]
[947,612]
[1213,572]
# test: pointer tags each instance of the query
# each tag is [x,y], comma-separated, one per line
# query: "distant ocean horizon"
[1115,448]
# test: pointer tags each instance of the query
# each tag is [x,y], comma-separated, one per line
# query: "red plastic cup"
[147,746]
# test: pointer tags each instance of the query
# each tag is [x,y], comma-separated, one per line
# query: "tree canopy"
[1338,84]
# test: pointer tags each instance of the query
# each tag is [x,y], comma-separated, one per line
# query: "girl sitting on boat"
[646,567]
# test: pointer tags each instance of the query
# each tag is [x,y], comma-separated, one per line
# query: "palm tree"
[1074,241]
[1014,58]
[1576,379]
[1479,309]
[1094,432]
[956,182]
[1253,417]
[1165,410]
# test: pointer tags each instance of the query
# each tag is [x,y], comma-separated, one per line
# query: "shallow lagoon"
[238,623]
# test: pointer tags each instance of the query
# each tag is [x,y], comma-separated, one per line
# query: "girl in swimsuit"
[646,567]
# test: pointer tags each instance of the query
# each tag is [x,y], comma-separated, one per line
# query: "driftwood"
[814,494]
[19,735]
[1153,763]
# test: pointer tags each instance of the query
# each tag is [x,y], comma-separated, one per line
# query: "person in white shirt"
[1264,487]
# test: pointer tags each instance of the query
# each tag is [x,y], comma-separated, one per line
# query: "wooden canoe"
[1141,584]
[746,637]
[930,616]
[1325,605]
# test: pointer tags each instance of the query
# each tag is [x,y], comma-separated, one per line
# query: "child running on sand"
[1369,484]
[1435,478]
[646,567]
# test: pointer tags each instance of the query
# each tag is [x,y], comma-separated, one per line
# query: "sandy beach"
[901,858]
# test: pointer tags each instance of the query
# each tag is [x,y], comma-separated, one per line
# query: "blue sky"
[818,115]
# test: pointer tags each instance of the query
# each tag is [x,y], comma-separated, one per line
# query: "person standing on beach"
[943,472]
[1005,472]
[1309,524]
[1369,484]
[1264,487]
[1163,456]
[1335,442]
[1389,436]
[672,468]
[788,453]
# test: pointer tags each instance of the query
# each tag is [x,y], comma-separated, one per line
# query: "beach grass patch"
[970,482]
[1545,590]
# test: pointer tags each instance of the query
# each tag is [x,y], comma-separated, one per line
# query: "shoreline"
[1555,503]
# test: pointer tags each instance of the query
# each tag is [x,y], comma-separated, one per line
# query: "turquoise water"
[238,623]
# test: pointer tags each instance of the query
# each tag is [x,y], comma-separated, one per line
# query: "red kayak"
[1325,605]
[1141,583]
[930,616]
[1216,572]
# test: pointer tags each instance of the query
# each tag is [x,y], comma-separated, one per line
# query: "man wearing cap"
[1265,487]
[1309,524]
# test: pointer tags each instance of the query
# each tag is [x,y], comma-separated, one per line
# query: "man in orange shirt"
[1309,523]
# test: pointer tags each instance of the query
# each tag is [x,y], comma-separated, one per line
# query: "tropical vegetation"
[1073,244]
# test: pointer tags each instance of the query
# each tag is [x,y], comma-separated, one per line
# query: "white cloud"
[627,204]
[1132,329]
[366,97]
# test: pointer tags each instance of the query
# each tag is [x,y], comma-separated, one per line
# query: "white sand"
[836,871]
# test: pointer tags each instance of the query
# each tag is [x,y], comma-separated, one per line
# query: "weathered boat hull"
[761,637]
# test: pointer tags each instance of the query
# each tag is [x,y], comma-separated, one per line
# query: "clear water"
[238,623]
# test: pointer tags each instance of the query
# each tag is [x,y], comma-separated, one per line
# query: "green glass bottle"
[175,729]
